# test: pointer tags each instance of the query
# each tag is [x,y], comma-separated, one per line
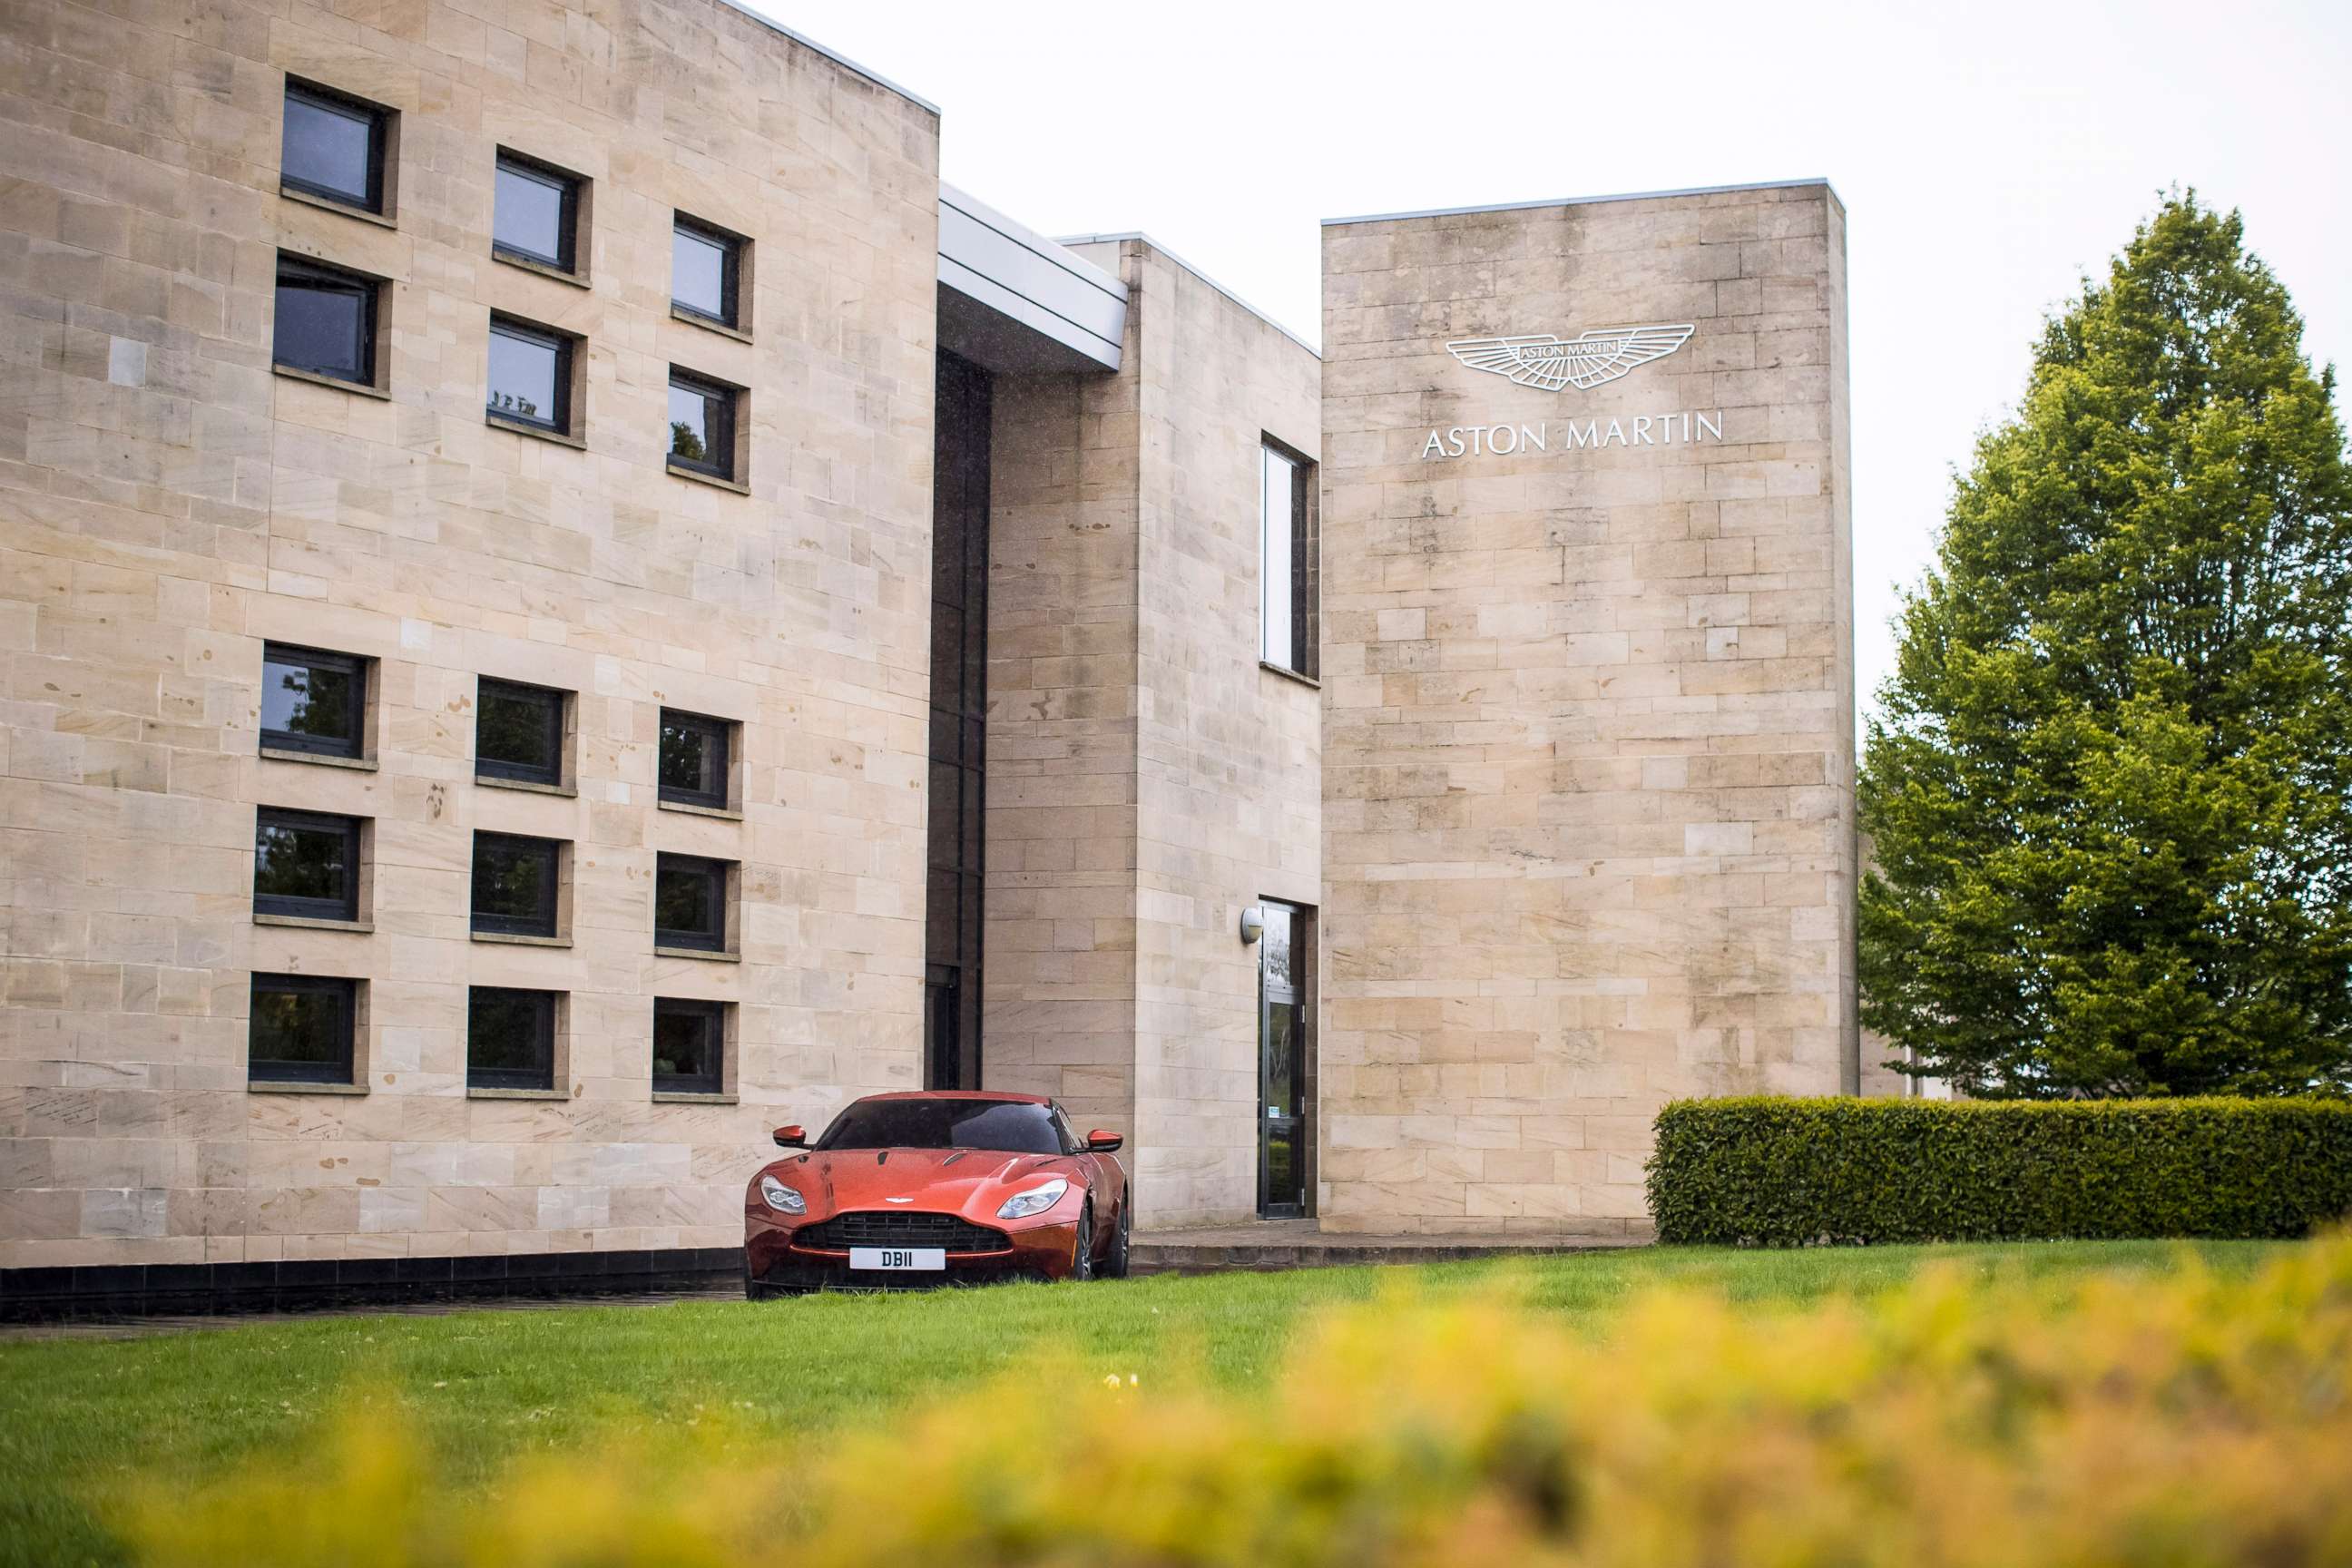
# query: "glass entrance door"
[1285,994]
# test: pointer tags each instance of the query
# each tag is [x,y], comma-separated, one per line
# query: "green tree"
[2110,786]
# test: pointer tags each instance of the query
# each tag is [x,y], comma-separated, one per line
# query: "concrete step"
[1277,1245]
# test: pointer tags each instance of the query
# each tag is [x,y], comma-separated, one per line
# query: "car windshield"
[1011,1126]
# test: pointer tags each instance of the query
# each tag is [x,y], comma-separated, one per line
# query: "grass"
[83,1420]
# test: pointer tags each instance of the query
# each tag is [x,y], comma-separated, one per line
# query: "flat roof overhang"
[1014,302]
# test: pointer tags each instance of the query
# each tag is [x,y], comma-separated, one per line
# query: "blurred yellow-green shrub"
[2130,1422]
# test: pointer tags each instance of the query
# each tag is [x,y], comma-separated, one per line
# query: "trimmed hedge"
[1793,1173]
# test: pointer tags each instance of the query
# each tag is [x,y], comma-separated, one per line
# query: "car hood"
[973,1182]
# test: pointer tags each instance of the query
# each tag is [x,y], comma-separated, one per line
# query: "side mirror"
[793,1137]
[1101,1142]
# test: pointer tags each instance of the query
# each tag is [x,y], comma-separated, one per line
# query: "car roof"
[958,1094]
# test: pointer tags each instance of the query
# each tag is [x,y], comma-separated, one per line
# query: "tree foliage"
[2109,790]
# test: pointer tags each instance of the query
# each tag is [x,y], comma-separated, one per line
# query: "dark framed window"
[333,146]
[305,865]
[302,1029]
[313,702]
[701,425]
[693,768]
[690,902]
[536,212]
[509,1038]
[530,375]
[517,732]
[689,1047]
[325,321]
[1290,575]
[706,272]
[515,884]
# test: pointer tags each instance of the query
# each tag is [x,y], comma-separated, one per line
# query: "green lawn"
[80,1417]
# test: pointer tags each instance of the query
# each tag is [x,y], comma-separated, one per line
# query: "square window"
[689,1047]
[535,214]
[691,903]
[694,759]
[509,1038]
[517,732]
[313,702]
[333,146]
[325,321]
[302,1029]
[515,883]
[706,267]
[530,375]
[306,865]
[701,425]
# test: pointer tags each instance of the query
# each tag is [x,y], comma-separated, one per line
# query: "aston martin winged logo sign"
[1586,361]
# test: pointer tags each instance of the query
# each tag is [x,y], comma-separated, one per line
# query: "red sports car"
[925,1189]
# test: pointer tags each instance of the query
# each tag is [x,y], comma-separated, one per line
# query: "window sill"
[319,759]
[531,785]
[473,1093]
[545,270]
[708,324]
[1289,674]
[724,813]
[710,953]
[680,471]
[676,1097]
[357,389]
[329,204]
[517,938]
[522,428]
[311,922]
[270,1085]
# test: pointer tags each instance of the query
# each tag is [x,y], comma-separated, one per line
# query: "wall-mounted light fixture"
[1253,923]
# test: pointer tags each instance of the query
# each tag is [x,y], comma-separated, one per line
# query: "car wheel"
[1081,1256]
[754,1290]
[1114,1263]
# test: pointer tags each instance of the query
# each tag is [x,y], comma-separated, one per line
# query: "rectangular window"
[694,759]
[515,885]
[691,903]
[530,375]
[313,702]
[333,146]
[301,1030]
[509,1038]
[706,267]
[701,425]
[689,1047]
[517,732]
[305,865]
[1288,571]
[536,212]
[325,321]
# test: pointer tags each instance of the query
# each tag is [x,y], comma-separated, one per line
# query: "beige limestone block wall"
[1589,837]
[167,504]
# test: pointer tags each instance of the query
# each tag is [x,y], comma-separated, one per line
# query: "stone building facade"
[1587,804]
[565,603]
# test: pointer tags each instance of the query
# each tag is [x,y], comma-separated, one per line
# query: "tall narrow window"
[517,732]
[702,424]
[306,865]
[530,375]
[333,146]
[509,1038]
[325,321]
[689,1047]
[313,702]
[302,1029]
[536,217]
[955,869]
[706,272]
[1288,567]
[516,885]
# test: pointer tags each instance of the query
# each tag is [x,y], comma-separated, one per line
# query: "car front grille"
[880,1228]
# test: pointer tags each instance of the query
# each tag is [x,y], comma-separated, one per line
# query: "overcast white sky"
[1988,154]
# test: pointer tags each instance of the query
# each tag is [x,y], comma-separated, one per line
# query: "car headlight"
[1036,1200]
[781,1198]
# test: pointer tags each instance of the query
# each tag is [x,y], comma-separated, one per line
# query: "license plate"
[898,1257]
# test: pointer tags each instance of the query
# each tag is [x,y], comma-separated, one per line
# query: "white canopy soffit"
[1014,302]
